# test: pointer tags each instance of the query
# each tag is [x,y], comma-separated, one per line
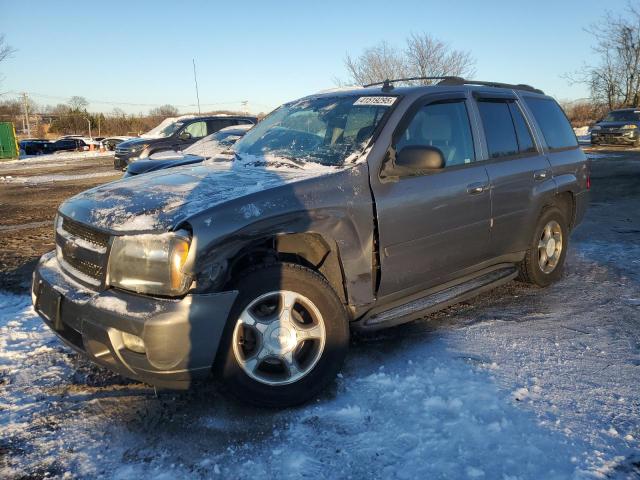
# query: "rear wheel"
[544,260]
[287,337]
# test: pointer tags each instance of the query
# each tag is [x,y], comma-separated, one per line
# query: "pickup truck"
[351,210]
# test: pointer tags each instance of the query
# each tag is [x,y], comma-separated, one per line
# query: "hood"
[144,166]
[136,141]
[161,200]
[616,124]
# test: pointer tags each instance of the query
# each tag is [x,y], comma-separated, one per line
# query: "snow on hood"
[159,200]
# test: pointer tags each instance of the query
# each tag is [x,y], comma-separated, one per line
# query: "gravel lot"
[519,383]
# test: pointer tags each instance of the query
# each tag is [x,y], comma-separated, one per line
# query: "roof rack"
[463,81]
[452,80]
[387,84]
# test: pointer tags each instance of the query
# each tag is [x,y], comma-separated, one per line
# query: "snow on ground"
[39,161]
[37,179]
[583,134]
[521,383]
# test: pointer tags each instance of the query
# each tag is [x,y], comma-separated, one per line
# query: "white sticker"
[383,101]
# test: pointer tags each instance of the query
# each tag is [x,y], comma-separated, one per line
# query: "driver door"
[433,226]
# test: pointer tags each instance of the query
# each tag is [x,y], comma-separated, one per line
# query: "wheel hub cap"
[279,337]
[550,246]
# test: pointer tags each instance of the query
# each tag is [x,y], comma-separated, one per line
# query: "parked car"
[110,143]
[358,209]
[87,140]
[621,127]
[72,144]
[210,146]
[176,135]
[34,146]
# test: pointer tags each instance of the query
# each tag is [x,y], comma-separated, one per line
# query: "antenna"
[195,79]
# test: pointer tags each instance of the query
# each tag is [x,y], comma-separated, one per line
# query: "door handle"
[541,174]
[476,188]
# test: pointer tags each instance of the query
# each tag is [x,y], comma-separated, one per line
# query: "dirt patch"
[27,212]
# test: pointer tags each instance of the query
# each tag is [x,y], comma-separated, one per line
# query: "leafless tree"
[615,80]
[164,111]
[423,56]
[5,50]
[376,64]
[78,103]
[429,57]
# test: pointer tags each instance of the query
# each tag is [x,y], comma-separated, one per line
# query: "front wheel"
[287,337]
[544,260]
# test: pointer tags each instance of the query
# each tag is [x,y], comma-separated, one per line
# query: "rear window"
[553,122]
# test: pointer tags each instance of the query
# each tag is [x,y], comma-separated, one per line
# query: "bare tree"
[78,103]
[5,50]
[423,56]
[615,80]
[164,111]
[376,64]
[429,57]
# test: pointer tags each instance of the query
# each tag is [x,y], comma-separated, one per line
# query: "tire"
[266,358]
[531,268]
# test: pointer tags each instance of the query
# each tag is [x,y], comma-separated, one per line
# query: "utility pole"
[245,106]
[195,79]
[89,122]
[25,103]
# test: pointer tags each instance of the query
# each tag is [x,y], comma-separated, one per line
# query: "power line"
[131,104]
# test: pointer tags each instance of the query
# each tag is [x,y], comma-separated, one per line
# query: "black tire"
[530,270]
[285,276]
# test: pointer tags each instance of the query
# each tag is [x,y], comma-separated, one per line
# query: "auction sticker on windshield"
[384,101]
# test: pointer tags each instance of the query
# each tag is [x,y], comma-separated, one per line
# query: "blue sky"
[270,52]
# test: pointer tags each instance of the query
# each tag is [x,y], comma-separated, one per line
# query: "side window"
[553,122]
[215,125]
[498,128]
[196,129]
[445,126]
[525,140]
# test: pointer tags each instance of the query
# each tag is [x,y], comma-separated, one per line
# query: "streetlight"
[89,122]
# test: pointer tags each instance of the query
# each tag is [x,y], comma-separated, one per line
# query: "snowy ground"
[521,383]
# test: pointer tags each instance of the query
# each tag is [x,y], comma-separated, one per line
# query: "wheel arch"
[309,249]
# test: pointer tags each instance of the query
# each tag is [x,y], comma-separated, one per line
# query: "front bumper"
[181,336]
[120,161]
[621,137]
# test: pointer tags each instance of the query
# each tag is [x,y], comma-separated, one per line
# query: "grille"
[122,151]
[82,252]
[81,231]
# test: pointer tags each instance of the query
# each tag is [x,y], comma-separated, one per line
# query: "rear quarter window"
[553,123]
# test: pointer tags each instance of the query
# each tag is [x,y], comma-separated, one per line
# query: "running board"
[437,300]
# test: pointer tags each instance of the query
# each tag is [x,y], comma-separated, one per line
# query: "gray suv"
[351,210]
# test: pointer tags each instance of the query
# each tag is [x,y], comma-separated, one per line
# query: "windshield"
[324,130]
[213,144]
[623,116]
[169,130]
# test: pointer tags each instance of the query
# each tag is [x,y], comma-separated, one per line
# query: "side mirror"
[420,158]
[185,136]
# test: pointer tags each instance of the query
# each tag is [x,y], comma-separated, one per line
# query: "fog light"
[133,342]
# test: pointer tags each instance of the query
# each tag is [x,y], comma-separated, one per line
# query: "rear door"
[517,168]
[434,225]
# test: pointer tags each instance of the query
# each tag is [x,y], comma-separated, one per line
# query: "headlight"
[629,127]
[150,263]
[138,148]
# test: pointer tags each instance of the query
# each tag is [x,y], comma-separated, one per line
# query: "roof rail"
[464,81]
[387,84]
[452,80]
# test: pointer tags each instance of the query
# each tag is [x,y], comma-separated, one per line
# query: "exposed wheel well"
[566,203]
[307,249]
